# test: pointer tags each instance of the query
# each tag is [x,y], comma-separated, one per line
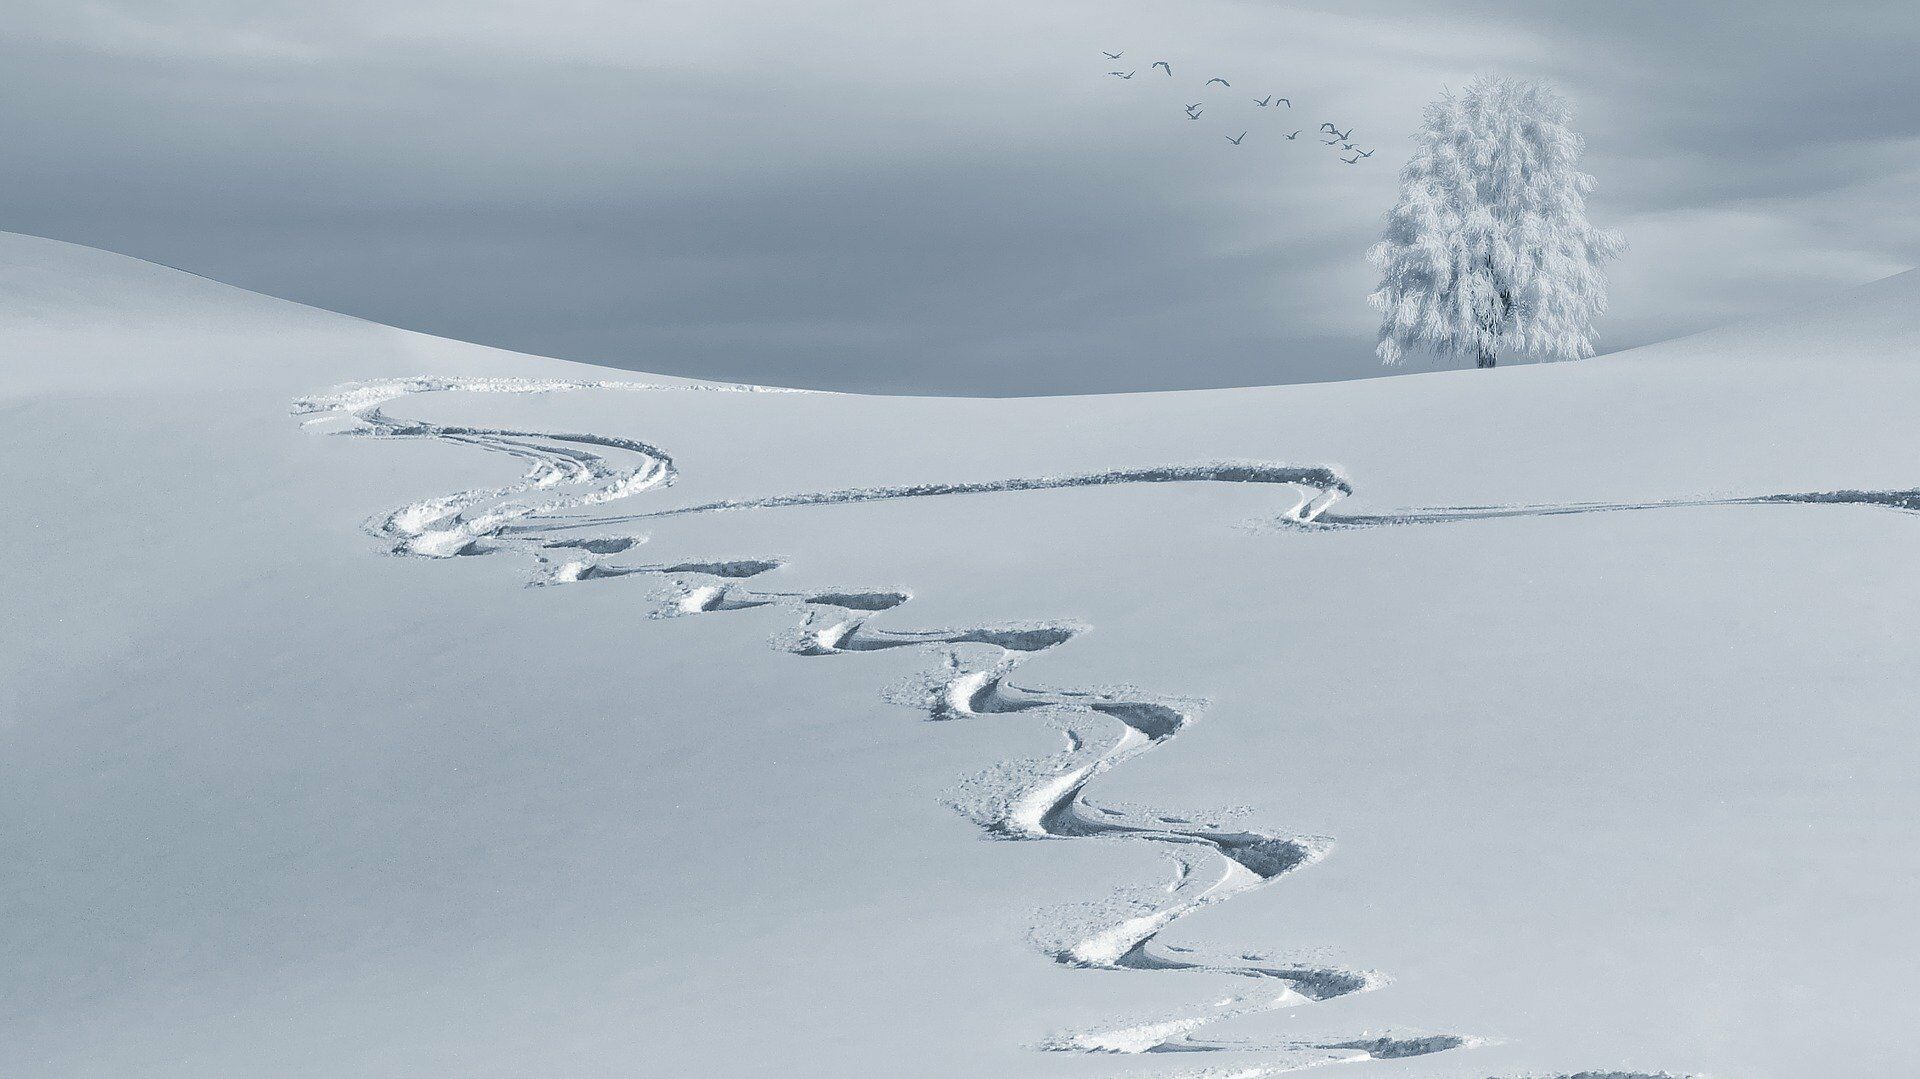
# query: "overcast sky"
[931,197]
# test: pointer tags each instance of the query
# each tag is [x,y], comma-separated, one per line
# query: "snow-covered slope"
[1213,733]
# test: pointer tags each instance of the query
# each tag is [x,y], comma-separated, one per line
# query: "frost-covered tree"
[1489,250]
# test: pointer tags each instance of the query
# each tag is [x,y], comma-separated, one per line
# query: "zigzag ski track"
[554,516]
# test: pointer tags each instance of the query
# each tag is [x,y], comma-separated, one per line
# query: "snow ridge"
[541,518]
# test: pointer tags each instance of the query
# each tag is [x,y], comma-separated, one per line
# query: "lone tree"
[1489,249]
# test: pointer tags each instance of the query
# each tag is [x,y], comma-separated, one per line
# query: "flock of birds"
[1330,134]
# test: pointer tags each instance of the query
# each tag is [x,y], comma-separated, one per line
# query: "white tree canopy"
[1489,250]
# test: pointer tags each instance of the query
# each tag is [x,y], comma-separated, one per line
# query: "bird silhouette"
[1284,101]
[1112,55]
[1293,136]
[1163,63]
[1122,75]
[1221,81]
[1194,106]
[1263,102]
[1354,160]
[1195,115]
[1344,135]
[1324,126]
[1233,140]
[1363,153]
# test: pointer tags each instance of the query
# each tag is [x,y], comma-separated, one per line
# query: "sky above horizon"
[933,197]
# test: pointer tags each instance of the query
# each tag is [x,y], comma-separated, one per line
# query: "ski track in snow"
[570,474]
[1900,501]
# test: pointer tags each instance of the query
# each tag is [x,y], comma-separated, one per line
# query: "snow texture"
[1611,794]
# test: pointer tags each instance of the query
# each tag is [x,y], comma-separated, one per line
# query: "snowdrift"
[384,705]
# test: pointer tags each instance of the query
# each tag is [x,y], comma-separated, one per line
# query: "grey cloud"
[927,197]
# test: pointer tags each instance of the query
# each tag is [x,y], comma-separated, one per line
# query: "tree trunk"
[1493,326]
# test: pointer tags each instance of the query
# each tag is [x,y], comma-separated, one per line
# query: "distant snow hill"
[382,705]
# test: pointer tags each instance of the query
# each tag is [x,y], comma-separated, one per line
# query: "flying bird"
[1195,115]
[1194,106]
[1233,140]
[1354,160]
[1293,136]
[1163,63]
[1324,126]
[1284,101]
[1221,81]
[1263,102]
[1112,55]
[1344,135]
[1364,153]
[1123,75]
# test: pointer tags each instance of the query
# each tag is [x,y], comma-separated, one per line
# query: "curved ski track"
[568,474]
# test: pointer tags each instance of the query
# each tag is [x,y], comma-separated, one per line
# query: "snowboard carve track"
[569,474]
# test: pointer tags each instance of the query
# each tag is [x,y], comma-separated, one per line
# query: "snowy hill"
[381,705]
